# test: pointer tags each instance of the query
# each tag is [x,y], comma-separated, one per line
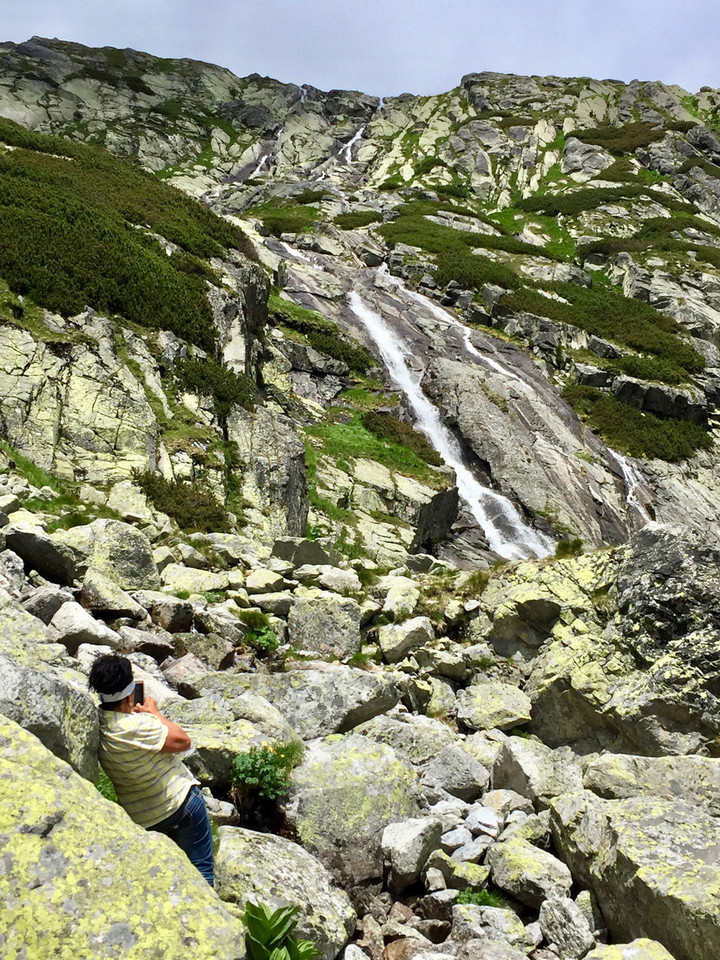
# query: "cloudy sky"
[386,47]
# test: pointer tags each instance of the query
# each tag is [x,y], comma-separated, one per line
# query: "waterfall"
[506,532]
[261,164]
[632,482]
[449,320]
[346,151]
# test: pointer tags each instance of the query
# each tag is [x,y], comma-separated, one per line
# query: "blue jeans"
[189,827]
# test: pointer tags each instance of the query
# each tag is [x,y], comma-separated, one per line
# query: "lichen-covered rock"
[456,771]
[73,625]
[564,924]
[314,702]
[492,703]
[119,551]
[179,578]
[640,949]
[414,736]
[272,470]
[406,846]
[531,875]
[327,624]
[106,599]
[262,868]
[64,847]
[62,717]
[535,771]
[343,795]
[398,639]
[651,863]
[695,779]
[40,552]
[471,922]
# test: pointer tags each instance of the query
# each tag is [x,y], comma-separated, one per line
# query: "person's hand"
[150,706]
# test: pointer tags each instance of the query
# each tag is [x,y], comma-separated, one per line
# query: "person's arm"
[176,740]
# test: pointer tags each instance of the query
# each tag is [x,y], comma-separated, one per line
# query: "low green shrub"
[620,140]
[284,217]
[263,773]
[78,208]
[624,320]
[574,202]
[322,335]
[634,432]
[568,548]
[482,898]
[209,378]
[105,786]
[189,502]
[357,218]
[268,936]
[260,635]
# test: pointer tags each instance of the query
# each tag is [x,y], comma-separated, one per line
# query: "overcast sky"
[386,47]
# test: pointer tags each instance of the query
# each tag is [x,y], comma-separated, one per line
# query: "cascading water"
[346,152]
[632,482]
[507,534]
[449,321]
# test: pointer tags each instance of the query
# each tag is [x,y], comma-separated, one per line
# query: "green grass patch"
[345,442]
[30,471]
[633,432]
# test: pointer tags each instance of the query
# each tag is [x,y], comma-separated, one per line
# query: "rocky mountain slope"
[392,434]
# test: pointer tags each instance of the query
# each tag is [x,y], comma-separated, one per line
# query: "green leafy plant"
[482,898]
[263,773]
[105,786]
[269,936]
[259,634]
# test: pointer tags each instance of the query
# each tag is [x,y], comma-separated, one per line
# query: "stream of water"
[506,532]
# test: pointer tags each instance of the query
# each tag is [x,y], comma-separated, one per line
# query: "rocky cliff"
[389,431]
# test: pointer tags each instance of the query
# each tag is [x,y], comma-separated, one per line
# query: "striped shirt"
[150,785]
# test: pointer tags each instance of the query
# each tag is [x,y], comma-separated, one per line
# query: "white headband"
[120,695]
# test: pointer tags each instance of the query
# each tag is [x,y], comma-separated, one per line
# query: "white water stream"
[506,532]
[449,320]
[632,482]
[346,152]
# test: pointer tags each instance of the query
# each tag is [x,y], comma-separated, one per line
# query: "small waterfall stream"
[632,482]
[346,152]
[506,532]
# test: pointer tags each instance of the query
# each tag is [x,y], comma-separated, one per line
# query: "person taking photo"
[139,750]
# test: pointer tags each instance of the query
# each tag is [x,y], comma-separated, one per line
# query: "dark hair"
[110,673]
